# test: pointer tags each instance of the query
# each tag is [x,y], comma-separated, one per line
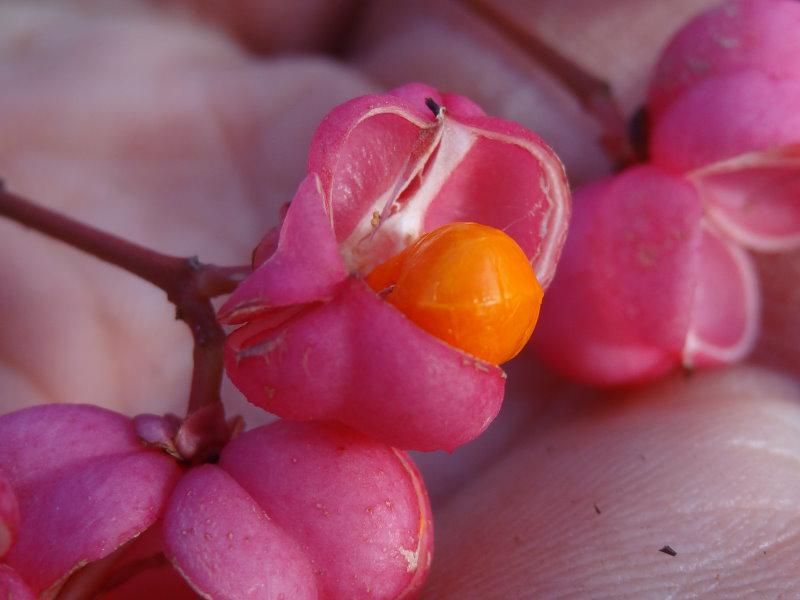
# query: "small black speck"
[435,108]
[597,509]
[668,550]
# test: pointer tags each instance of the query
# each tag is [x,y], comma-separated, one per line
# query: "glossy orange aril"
[468,284]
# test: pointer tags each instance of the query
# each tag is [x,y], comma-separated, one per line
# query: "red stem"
[188,283]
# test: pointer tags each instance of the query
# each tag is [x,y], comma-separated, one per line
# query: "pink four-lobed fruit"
[645,283]
[758,35]
[732,126]
[316,341]
[292,510]
[737,138]
[85,486]
[656,272]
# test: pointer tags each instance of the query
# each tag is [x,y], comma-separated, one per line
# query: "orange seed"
[468,284]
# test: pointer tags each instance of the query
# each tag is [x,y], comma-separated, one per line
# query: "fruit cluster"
[656,272]
[293,510]
[322,504]
[408,266]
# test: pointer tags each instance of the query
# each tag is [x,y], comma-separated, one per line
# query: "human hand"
[110,120]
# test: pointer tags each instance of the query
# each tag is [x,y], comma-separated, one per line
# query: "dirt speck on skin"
[669,550]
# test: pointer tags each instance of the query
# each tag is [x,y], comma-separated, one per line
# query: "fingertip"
[707,466]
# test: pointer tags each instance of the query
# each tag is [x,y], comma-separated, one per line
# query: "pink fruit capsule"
[292,510]
[645,285]
[741,35]
[85,486]
[736,137]
[358,507]
[302,510]
[384,170]
[725,116]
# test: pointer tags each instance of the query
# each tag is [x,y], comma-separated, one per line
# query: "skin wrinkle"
[730,557]
[642,525]
[761,447]
[721,576]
